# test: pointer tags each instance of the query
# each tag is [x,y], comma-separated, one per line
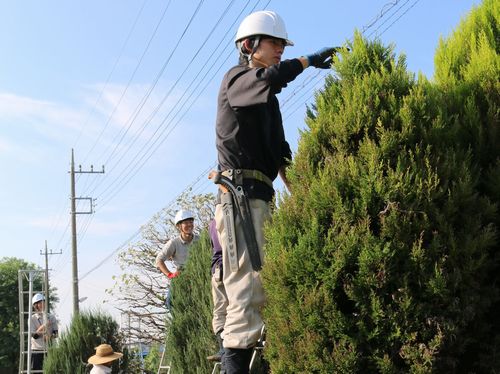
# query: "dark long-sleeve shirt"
[249,128]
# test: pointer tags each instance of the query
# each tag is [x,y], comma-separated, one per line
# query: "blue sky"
[95,76]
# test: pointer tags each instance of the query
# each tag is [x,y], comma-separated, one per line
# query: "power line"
[59,216]
[118,182]
[134,115]
[115,108]
[203,174]
[199,82]
[389,17]
[145,98]
[152,137]
[158,76]
[158,141]
[305,84]
[397,19]
[109,78]
[384,11]
[157,108]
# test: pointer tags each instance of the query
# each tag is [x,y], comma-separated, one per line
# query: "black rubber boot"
[237,361]
[217,357]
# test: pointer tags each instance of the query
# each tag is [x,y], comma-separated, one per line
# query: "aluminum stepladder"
[25,297]
[259,347]
[162,367]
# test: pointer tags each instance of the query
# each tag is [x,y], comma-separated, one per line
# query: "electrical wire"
[166,96]
[195,79]
[120,54]
[203,175]
[226,34]
[124,130]
[388,18]
[305,83]
[132,29]
[397,19]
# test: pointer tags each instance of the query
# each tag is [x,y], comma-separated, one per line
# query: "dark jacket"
[249,128]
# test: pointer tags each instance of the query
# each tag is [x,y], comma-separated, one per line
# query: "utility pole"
[47,253]
[74,256]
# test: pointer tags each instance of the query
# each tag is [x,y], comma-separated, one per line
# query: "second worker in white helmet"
[176,250]
[250,138]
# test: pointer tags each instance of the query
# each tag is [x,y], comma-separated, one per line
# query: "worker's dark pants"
[37,360]
[237,361]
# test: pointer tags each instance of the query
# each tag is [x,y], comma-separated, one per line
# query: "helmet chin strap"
[251,57]
[256,43]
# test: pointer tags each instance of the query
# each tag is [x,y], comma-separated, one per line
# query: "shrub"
[385,256]
[190,338]
[87,330]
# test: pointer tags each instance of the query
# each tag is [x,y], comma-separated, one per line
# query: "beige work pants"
[220,303]
[244,287]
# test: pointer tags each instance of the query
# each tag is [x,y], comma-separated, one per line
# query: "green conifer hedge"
[190,338]
[385,257]
[189,334]
[87,330]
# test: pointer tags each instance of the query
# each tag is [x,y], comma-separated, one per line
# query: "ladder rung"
[26,352]
[33,292]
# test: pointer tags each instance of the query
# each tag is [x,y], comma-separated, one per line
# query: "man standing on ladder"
[252,151]
[43,330]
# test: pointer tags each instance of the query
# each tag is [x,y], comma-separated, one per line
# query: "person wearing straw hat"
[103,359]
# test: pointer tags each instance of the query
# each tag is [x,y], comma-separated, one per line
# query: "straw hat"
[103,354]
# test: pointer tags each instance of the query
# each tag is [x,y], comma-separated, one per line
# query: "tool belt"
[232,180]
[237,175]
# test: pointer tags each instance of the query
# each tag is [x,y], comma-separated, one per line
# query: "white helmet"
[264,22]
[183,214]
[36,298]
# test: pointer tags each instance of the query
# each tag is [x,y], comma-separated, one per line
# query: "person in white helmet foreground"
[176,250]
[43,330]
[252,151]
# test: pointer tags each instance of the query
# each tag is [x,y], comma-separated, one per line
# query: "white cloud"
[87,121]
[38,112]
[125,106]
[50,222]
[6,145]
[96,227]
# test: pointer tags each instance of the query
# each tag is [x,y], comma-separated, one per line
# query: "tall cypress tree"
[190,338]
[384,258]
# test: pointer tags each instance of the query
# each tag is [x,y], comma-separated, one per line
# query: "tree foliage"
[140,289]
[152,360]
[190,338]
[385,256]
[88,329]
[9,307]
